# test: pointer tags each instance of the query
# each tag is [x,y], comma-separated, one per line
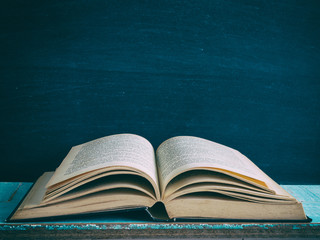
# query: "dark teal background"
[242,73]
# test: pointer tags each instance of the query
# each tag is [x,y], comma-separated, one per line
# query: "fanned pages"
[192,177]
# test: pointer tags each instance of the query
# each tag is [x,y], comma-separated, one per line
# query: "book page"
[179,154]
[115,151]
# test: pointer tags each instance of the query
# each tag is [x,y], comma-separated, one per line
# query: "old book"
[191,177]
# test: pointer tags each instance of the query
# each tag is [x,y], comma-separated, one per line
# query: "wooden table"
[102,228]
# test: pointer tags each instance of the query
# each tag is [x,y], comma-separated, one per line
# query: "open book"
[192,177]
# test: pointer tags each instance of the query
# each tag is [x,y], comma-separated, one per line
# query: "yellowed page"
[82,181]
[116,151]
[195,178]
[179,154]
[223,208]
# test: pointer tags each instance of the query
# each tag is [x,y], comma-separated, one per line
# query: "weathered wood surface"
[99,228]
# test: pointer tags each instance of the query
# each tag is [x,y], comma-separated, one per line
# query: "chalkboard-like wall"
[242,73]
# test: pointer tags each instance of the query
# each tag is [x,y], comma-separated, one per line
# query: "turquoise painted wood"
[309,195]
[12,193]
